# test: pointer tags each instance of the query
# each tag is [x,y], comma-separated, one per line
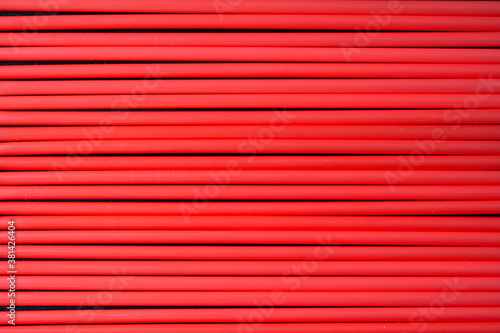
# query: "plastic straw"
[251,192]
[252,54]
[186,209]
[253,70]
[322,267]
[242,298]
[234,146]
[254,237]
[260,6]
[186,101]
[367,132]
[387,39]
[235,176]
[241,252]
[255,86]
[431,327]
[247,283]
[230,315]
[266,118]
[359,162]
[252,22]
[435,223]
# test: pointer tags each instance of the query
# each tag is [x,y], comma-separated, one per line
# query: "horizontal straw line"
[254,237]
[279,131]
[252,192]
[351,162]
[386,39]
[255,54]
[230,315]
[253,283]
[291,117]
[252,147]
[246,298]
[252,70]
[422,223]
[260,6]
[252,21]
[241,252]
[189,101]
[253,86]
[430,327]
[187,209]
[302,268]
[251,118]
[234,175]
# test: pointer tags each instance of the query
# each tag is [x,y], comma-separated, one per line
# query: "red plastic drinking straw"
[230,315]
[359,162]
[251,192]
[241,252]
[387,39]
[234,146]
[222,178]
[434,223]
[255,237]
[337,236]
[278,131]
[254,86]
[252,54]
[333,268]
[431,327]
[254,70]
[186,209]
[266,118]
[316,101]
[260,6]
[233,231]
[251,21]
[250,283]
[249,298]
